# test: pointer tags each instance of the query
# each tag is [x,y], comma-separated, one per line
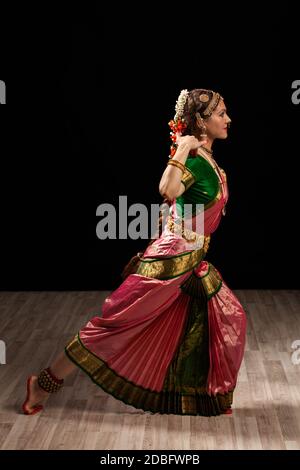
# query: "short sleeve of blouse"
[193,171]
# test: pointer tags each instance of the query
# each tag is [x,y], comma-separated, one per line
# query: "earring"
[200,123]
[199,118]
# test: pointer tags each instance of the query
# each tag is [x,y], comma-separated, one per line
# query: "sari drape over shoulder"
[171,337]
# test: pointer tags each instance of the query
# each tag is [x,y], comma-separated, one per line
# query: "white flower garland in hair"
[180,104]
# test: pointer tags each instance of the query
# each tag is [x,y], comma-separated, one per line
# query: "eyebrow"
[224,109]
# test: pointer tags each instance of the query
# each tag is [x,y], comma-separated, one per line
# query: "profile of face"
[217,124]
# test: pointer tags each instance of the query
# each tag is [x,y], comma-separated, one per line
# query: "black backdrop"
[89,98]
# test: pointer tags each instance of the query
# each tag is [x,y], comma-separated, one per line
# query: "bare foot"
[36,396]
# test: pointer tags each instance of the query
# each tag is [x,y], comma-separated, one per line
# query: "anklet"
[48,382]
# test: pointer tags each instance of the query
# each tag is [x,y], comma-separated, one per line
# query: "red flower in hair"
[177,126]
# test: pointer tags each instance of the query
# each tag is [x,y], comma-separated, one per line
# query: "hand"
[190,140]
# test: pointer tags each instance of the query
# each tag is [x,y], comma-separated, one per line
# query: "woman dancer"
[171,337]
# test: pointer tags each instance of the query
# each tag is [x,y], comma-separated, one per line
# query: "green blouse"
[201,183]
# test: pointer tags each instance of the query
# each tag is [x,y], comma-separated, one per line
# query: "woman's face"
[217,123]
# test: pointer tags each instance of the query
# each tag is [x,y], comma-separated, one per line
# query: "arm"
[170,185]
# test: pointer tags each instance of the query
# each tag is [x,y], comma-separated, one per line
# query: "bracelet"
[179,165]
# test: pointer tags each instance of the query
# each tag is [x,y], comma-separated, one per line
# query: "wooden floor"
[35,327]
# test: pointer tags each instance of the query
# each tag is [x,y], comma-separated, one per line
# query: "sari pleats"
[181,359]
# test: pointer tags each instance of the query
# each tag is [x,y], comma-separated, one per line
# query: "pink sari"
[171,337]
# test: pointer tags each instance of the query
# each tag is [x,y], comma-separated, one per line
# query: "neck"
[209,143]
[207,147]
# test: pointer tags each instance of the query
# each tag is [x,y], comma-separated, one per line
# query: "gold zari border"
[207,285]
[187,178]
[197,402]
[211,281]
[174,266]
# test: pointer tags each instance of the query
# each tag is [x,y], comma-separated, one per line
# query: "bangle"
[179,165]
